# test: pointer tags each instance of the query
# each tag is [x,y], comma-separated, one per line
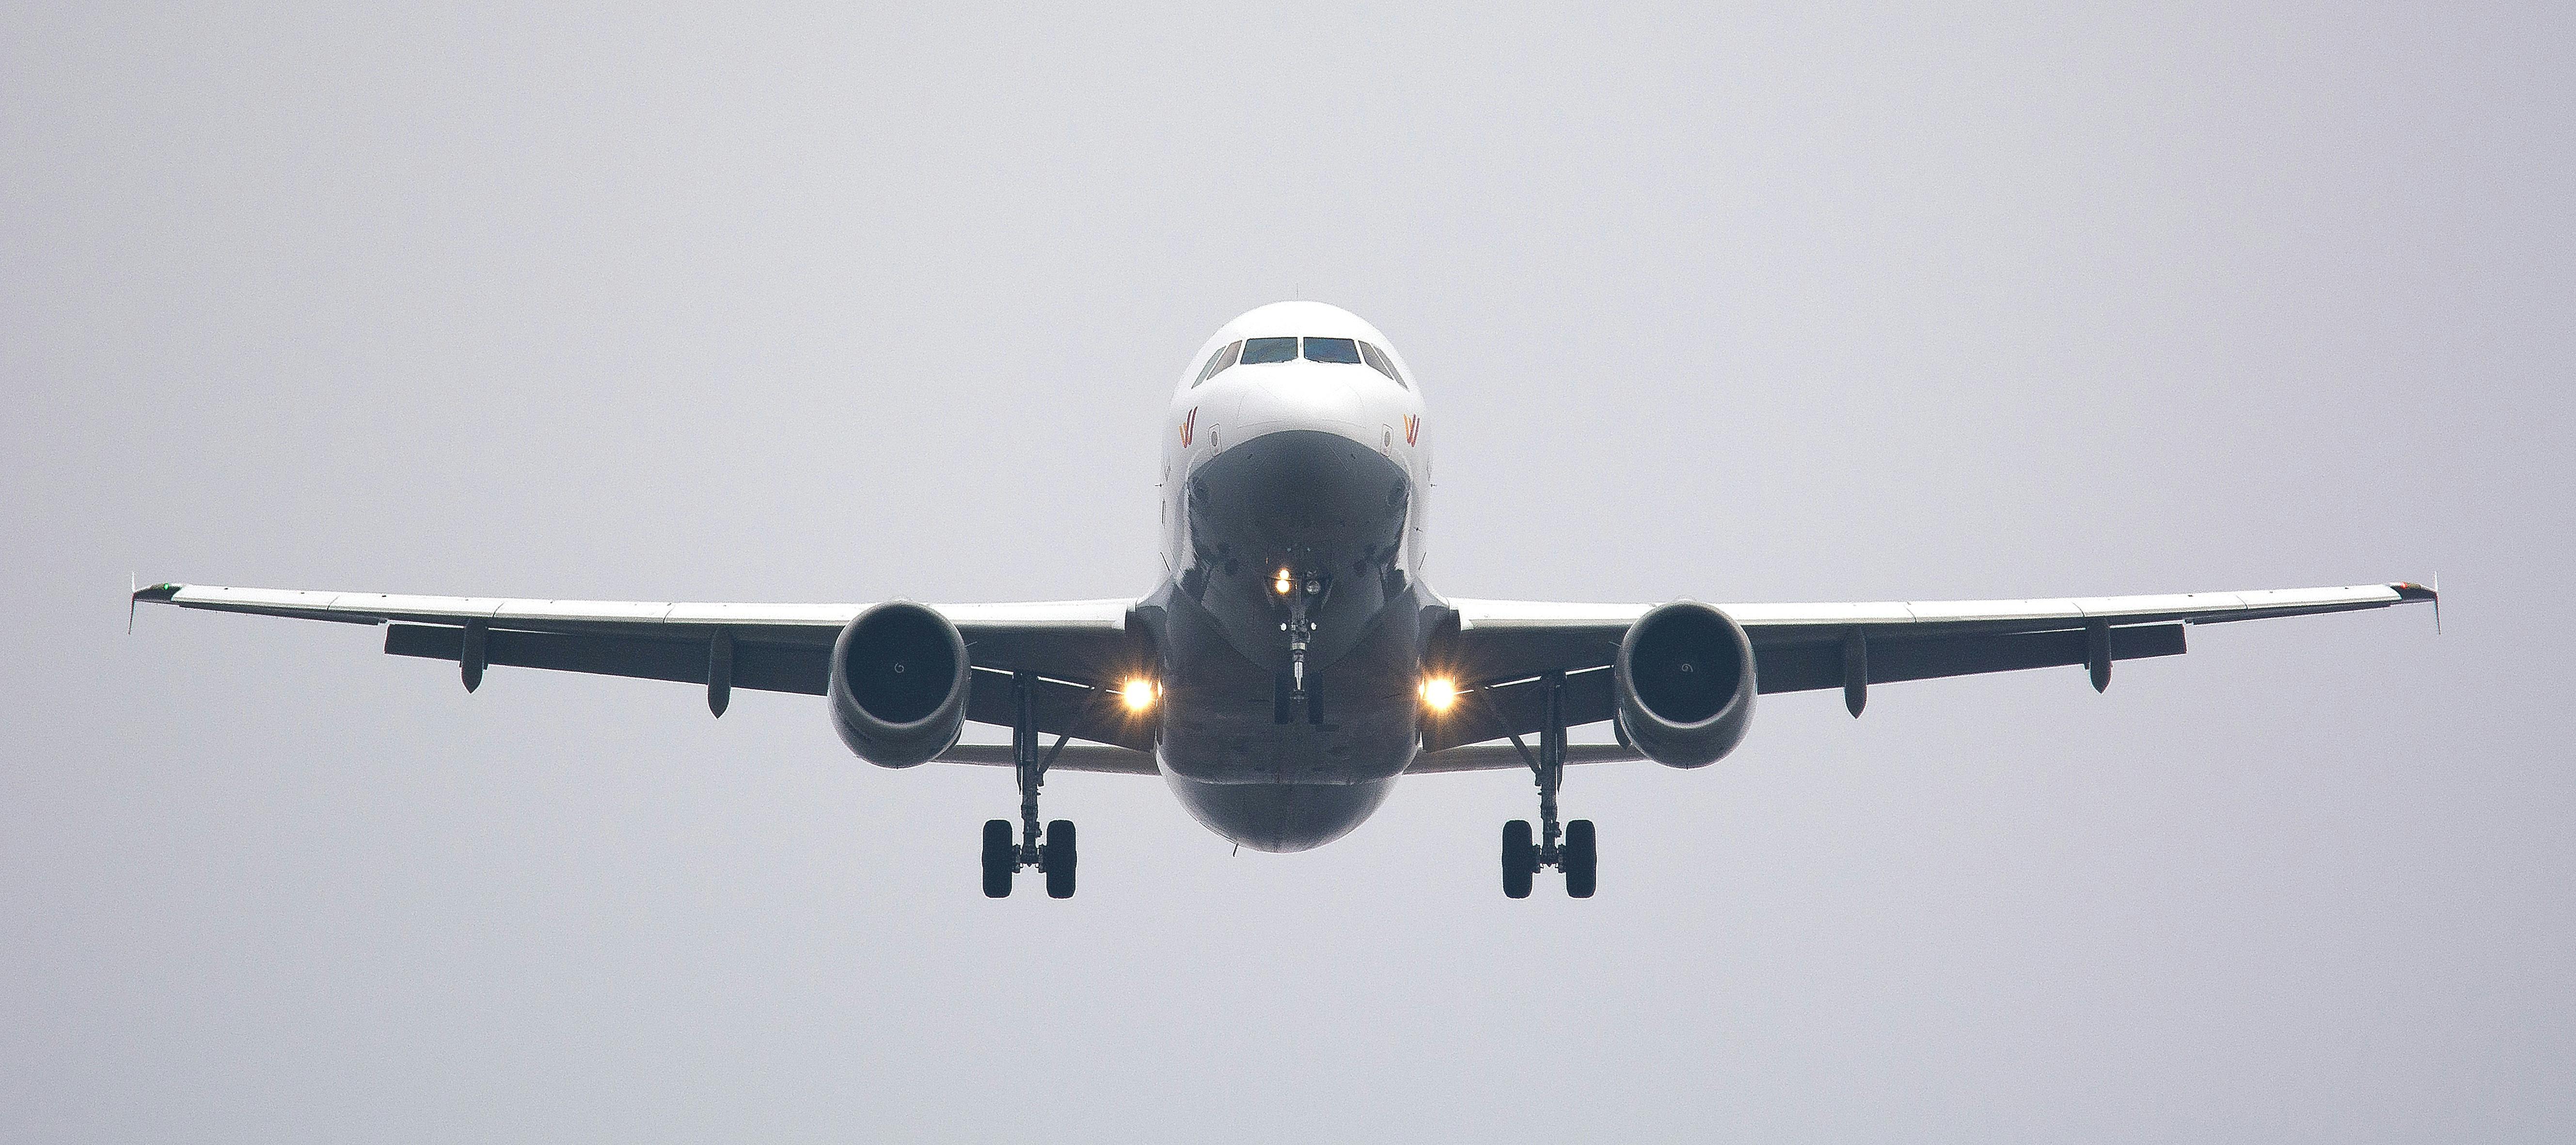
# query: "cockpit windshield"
[1342,350]
[1262,351]
[1271,351]
[1377,361]
[1218,361]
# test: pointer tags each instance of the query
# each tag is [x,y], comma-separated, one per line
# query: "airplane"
[1292,663]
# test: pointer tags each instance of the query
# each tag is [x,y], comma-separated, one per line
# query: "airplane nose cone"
[1303,395]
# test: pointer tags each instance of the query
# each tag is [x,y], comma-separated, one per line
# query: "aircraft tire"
[1520,859]
[1000,858]
[1060,859]
[1582,859]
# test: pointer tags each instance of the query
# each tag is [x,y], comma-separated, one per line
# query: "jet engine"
[899,684]
[1685,684]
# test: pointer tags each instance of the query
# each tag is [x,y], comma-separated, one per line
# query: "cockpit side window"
[1378,361]
[1263,351]
[1217,364]
[1341,350]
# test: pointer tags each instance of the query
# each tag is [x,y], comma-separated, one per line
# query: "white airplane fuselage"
[1293,617]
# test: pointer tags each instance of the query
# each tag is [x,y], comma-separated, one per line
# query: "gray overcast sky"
[836,304]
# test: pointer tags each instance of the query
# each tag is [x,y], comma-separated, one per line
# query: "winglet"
[2408,592]
[156,594]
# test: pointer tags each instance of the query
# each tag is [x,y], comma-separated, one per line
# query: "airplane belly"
[1252,758]
[1227,719]
[1280,817]
[1276,785]
[1327,509]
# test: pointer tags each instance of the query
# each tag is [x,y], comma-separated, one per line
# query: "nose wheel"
[1050,851]
[1572,848]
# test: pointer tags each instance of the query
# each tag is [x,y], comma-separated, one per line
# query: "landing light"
[1439,692]
[1139,694]
[1284,584]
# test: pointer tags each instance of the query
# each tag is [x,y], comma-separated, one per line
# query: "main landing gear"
[1571,849]
[1051,852]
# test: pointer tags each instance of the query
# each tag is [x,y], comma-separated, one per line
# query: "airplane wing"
[1500,645]
[1077,647]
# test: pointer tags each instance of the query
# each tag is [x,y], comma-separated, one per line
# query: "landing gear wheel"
[1520,859]
[1001,857]
[1581,862]
[1058,859]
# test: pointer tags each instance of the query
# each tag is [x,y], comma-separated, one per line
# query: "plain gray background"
[841,305]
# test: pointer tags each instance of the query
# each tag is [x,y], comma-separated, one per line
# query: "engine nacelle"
[899,684]
[1685,684]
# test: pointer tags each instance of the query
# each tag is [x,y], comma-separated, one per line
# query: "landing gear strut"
[1305,593]
[1570,848]
[1051,852]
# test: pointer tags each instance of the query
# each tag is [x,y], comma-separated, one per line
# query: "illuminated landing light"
[1439,693]
[1284,584]
[1139,694]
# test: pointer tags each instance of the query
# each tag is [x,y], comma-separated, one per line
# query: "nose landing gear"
[1570,849]
[1299,704]
[1051,851]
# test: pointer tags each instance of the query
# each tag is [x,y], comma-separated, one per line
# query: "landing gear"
[1058,859]
[1582,863]
[1001,858]
[1520,859]
[1052,851]
[1304,592]
[1576,853]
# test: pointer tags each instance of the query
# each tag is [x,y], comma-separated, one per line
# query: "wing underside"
[1501,648]
[1074,647]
